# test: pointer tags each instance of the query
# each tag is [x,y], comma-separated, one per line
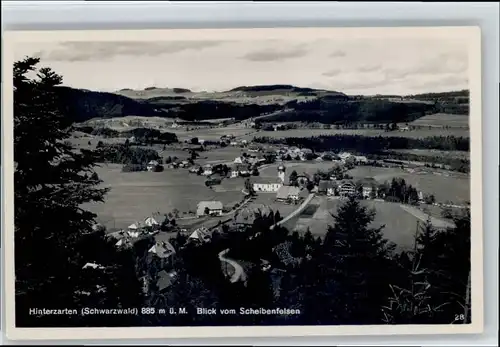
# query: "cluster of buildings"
[281,186]
[346,188]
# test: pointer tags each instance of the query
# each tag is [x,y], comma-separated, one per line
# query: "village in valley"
[203,183]
[193,183]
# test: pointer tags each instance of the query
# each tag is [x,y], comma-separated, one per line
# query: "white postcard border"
[470,35]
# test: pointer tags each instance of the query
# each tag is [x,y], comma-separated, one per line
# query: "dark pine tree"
[52,233]
[351,274]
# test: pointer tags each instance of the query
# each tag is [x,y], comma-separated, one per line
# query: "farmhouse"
[207,170]
[162,249]
[347,188]
[304,152]
[239,160]
[367,183]
[152,165]
[236,169]
[151,222]
[326,187]
[256,159]
[254,149]
[286,193]
[361,159]
[212,208]
[344,155]
[265,185]
[201,235]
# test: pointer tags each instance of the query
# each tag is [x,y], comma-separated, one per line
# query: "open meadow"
[435,153]
[302,167]
[443,119]
[417,133]
[399,225]
[211,134]
[446,186]
[134,196]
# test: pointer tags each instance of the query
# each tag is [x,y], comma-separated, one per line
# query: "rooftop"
[212,205]
[165,279]
[368,181]
[285,191]
[324,185]
[269,180]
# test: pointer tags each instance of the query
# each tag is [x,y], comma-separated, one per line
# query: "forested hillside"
[306,104]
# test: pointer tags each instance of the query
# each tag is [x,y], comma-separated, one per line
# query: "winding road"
[297,211]
[239,274]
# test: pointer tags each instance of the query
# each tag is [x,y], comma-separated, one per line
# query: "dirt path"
[239,273]
[297,211]
[422,216]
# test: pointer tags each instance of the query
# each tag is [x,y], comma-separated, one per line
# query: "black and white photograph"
[234,178]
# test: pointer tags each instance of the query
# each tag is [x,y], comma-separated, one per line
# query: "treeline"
[339,111]
[101,131]
[370,144]
[219,110]
[124,154]
[449,163]
[141,135]
[82,105]
[146,135]
[449,102]
[353,276]
[330,108]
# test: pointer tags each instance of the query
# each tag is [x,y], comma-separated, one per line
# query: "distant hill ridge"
[305,104]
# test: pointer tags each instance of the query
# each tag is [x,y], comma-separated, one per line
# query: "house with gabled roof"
[237,169]
[151,222]
[326,187]
[162,249]
[207,170]
[368,184]
[201,235]
[346,188]
[214,208]
[266,185]
[289,193]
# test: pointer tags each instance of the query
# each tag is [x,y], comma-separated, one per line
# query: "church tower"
[281,173]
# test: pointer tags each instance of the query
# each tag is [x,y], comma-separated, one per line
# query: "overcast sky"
[352,66]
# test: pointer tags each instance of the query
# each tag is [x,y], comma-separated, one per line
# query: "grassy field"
[444,185]
[212,134]
[400,226]
[220,155]
[419,133]
[81,140]
[136,195]
[435,153]
[266,202]
[443,119]
[301,167]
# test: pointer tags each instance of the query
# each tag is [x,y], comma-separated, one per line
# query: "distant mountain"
[302,104]
[273,87]
[83,105]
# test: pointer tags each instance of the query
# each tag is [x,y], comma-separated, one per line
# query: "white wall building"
[266,185]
